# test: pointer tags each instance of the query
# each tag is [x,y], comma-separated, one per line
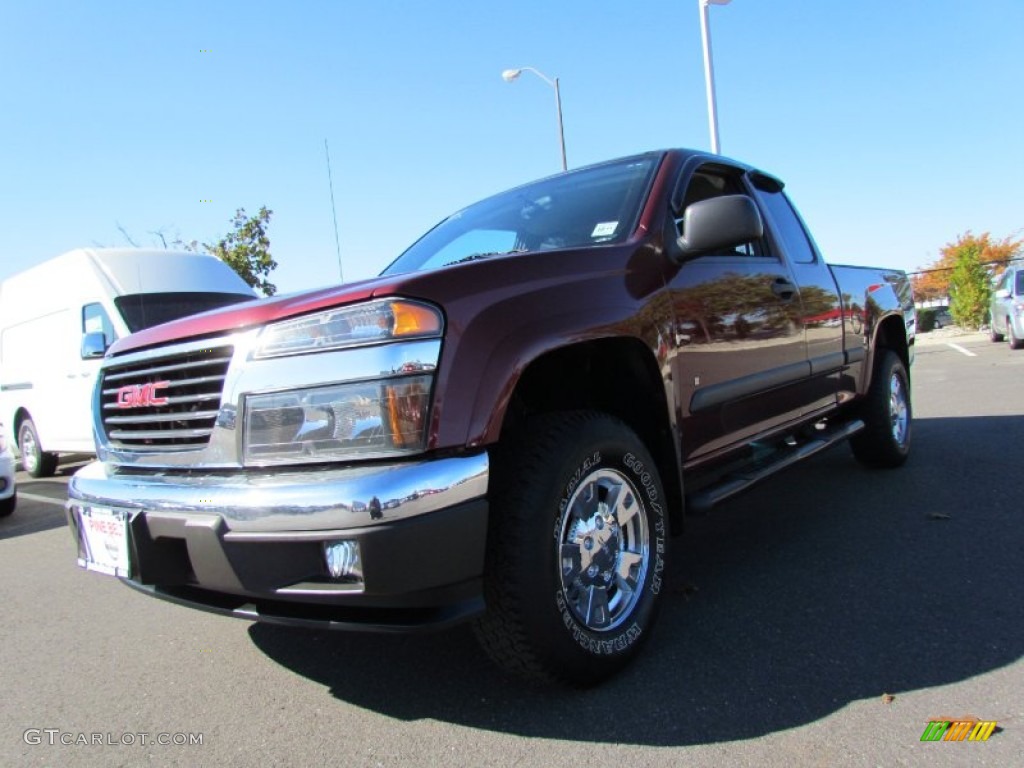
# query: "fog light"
[3,484]
[343,560]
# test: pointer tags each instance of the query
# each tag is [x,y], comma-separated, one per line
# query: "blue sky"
[896,125]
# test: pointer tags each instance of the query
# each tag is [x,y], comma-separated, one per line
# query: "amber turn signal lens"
[414,319]
[407,403]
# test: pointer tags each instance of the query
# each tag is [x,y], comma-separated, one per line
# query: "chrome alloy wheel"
[899,416]
[604,548]
[29,451]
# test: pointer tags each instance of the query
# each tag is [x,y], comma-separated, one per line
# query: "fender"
[867,316]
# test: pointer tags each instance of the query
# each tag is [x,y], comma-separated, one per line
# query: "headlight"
[367,323]
[385,417]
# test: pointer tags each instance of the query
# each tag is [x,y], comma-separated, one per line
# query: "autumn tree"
[970,288]
[932,283]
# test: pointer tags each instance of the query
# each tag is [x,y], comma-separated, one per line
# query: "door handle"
[783,289]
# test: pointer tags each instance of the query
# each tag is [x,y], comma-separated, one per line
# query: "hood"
[477,283]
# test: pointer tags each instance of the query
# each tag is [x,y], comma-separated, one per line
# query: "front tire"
[887,414]
[36,461]
[7,505]
[576,549]
[992,335]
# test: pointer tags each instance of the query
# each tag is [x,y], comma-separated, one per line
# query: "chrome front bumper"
[251,543]
[269,501]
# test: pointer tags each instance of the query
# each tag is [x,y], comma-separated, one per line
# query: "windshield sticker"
[604,229]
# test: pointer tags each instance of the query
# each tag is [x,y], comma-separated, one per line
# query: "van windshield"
[593,206]
[144,310]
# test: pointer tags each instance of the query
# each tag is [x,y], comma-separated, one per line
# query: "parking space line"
[958,348]
[37,497]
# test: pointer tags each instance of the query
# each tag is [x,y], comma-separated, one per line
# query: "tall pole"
[511,75]
[709,75]
[334,213]
[561,129]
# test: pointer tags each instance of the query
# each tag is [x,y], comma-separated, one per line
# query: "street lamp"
[709,71]
[510,75]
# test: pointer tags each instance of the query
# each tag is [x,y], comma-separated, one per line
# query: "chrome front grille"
[165,403]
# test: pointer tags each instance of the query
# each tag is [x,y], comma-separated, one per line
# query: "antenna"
[334,212]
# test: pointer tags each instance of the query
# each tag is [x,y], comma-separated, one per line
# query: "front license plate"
[104,540]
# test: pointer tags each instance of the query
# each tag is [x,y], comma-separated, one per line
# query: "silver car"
[8,494]
[1007,308]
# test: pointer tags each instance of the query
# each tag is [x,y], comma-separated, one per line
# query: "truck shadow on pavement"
[827,585]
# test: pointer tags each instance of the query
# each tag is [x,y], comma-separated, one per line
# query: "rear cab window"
[786,225]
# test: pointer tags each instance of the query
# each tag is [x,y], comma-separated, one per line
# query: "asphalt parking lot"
[822,619]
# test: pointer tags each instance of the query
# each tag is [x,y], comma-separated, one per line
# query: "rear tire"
[1015,343]
[887,415]
[993,336]
[576,549]
[36,461]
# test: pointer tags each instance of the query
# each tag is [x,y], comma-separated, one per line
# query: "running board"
[733,483]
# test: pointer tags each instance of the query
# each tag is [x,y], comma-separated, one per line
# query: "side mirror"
[1002,293]
[719,223]
[94,345]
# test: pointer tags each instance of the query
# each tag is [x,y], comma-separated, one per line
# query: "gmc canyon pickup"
[506,425]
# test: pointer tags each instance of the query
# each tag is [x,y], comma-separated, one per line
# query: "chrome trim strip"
[178,382]
[290,501]
[172,400]
[160,369]
[318,589]
[194,416]
[173,350]
[160,434]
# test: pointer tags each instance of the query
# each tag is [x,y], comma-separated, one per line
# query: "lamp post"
[709,70]
[511,75]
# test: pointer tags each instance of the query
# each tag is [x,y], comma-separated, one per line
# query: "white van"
[50,319]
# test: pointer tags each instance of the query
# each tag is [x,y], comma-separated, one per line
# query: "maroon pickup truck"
[507,425]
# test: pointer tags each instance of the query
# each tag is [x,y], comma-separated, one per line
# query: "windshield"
[593,206]
[144,310]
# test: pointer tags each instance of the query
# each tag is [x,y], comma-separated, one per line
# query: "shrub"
[925,320]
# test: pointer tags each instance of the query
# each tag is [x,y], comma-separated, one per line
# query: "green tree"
[969,287]
[246,249]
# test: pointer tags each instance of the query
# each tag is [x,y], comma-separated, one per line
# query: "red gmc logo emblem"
[141,395]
